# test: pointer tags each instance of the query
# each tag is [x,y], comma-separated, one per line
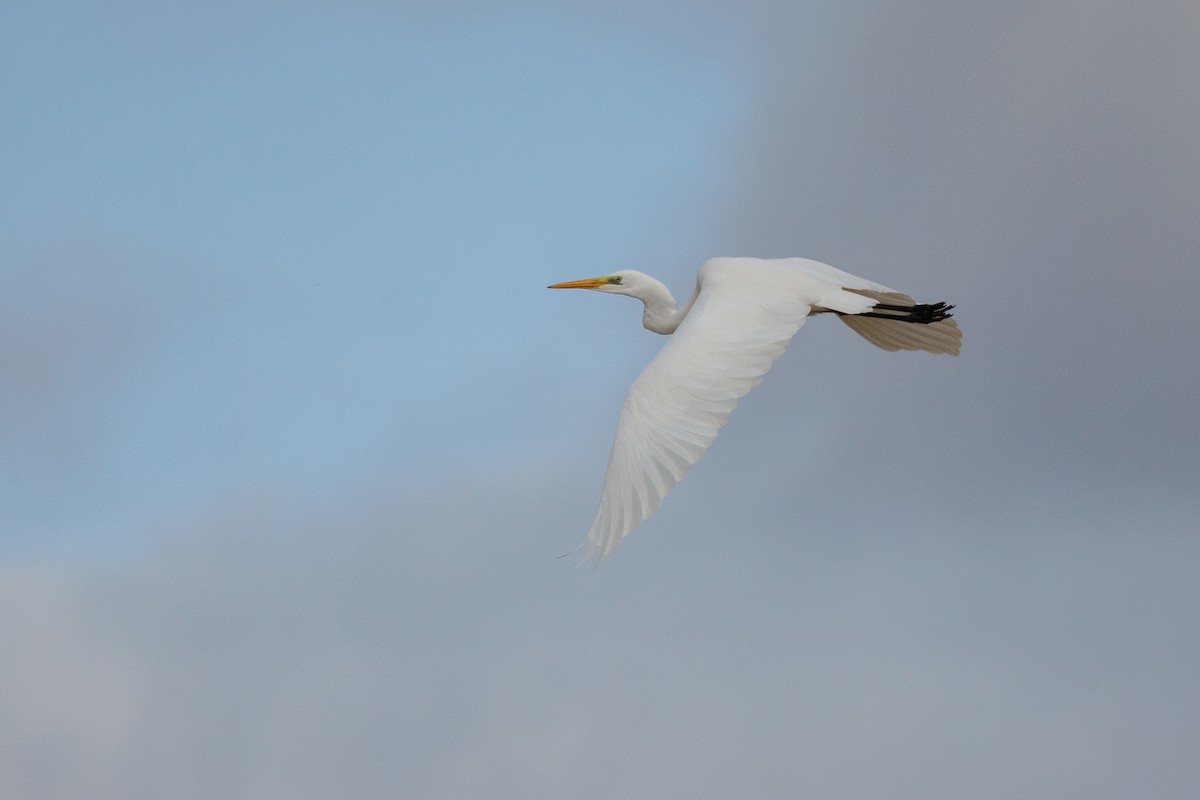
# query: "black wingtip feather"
[922,313]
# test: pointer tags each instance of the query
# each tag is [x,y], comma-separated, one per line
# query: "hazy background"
[291,432]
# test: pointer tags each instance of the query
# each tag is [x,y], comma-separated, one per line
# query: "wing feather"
[943,336]
[674,409]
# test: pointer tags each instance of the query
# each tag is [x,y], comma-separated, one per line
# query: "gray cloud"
[81,317]
[1030,167]
[275,652]
[75,315]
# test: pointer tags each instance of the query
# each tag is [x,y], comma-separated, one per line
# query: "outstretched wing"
[736,329]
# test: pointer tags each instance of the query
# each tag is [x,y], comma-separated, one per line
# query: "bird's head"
[660,315]
[627,281]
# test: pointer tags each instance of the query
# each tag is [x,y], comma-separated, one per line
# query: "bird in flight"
[738,321]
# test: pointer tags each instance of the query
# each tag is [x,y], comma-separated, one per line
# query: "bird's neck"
[661,314]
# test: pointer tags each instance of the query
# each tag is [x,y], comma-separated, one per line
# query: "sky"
[292,434]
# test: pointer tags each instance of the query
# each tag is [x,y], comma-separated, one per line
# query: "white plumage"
[740,318]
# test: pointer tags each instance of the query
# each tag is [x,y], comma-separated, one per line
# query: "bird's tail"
[897,322]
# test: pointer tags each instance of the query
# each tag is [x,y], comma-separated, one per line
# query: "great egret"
[739,320]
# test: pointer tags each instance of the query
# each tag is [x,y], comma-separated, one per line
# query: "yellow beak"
[586,283]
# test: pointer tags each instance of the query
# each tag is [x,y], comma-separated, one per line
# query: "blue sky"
[334,220]
[291,432]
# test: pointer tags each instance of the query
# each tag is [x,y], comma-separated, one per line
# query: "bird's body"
[740,318]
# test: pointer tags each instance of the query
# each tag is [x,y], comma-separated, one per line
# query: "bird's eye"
[615,279]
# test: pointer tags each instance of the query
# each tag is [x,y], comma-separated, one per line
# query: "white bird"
[739,320]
